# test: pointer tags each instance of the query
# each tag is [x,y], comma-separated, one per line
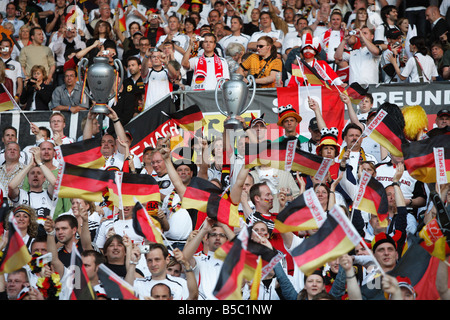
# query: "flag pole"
[300,65]
[374,259]
[15,104]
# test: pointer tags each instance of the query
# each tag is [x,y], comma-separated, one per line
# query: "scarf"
[201,72]
[327,34]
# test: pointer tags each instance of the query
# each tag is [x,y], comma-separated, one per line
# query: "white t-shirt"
[121,227]
[180,221]
[158,86]
[207,272]
[363,66]
[39,201]
[428,67]
[242,39]
[177,285]
[278,34]
[210,81]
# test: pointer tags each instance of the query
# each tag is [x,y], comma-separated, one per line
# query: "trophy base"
[232,124]
[100,108]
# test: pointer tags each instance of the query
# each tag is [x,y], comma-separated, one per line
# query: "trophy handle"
[82,65]
[219,83]
[251,83]
[119,67]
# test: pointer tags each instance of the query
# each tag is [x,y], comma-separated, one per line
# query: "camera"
[44,259]
[352,33]
[154,16]
[105,52]
[5,49]
[69,28]
[198,38]
[144,248]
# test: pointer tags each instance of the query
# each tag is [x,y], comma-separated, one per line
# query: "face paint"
[309,53]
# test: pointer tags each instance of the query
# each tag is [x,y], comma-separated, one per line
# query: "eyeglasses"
[222,235]
[260,46]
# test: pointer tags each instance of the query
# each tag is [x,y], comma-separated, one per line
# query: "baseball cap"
[393,33]
[443,112]
[313,124]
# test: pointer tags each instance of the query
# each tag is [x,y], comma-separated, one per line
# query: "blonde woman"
[36,94]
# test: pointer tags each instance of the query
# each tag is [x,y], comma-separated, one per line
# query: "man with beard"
[352,138]
[133,86]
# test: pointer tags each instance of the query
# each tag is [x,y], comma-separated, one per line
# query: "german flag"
[371,197]
[131,187]
[16,254]
[78,182]
[303,213]
[434,240]
[145,225]
[256,282]
[435,233]
[197,194]
[335,237]
[386,131]
[304,75]
[421,268]
[190,119]
[184,8]
[229,283]
[269,257]
[81,287]
[85,153]
[286,155]
[222,210]
[5,100]
[122,20]
[71,16]
[420,160]
[115,287]
[356,92]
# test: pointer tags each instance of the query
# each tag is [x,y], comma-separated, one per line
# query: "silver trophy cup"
[234,98]
[100,78]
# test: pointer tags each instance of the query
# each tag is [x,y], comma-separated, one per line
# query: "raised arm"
[49,227]
[314,106]
[191,246]
[351,112]
[190,276]
[164,149]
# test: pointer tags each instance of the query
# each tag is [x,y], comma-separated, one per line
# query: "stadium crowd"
[166,46]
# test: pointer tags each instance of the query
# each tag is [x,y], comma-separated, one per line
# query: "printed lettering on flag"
[441,172]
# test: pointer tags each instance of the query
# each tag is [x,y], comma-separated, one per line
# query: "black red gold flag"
[145,225]
[15,255]
[371,197]
[303,213]
[85,153]
[81,286]
[115,287]
[334,238]
[84,183]
[420,160]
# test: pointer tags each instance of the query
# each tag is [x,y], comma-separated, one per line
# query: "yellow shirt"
[260,68]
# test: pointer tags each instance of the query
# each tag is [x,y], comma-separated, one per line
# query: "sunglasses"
[260,46]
